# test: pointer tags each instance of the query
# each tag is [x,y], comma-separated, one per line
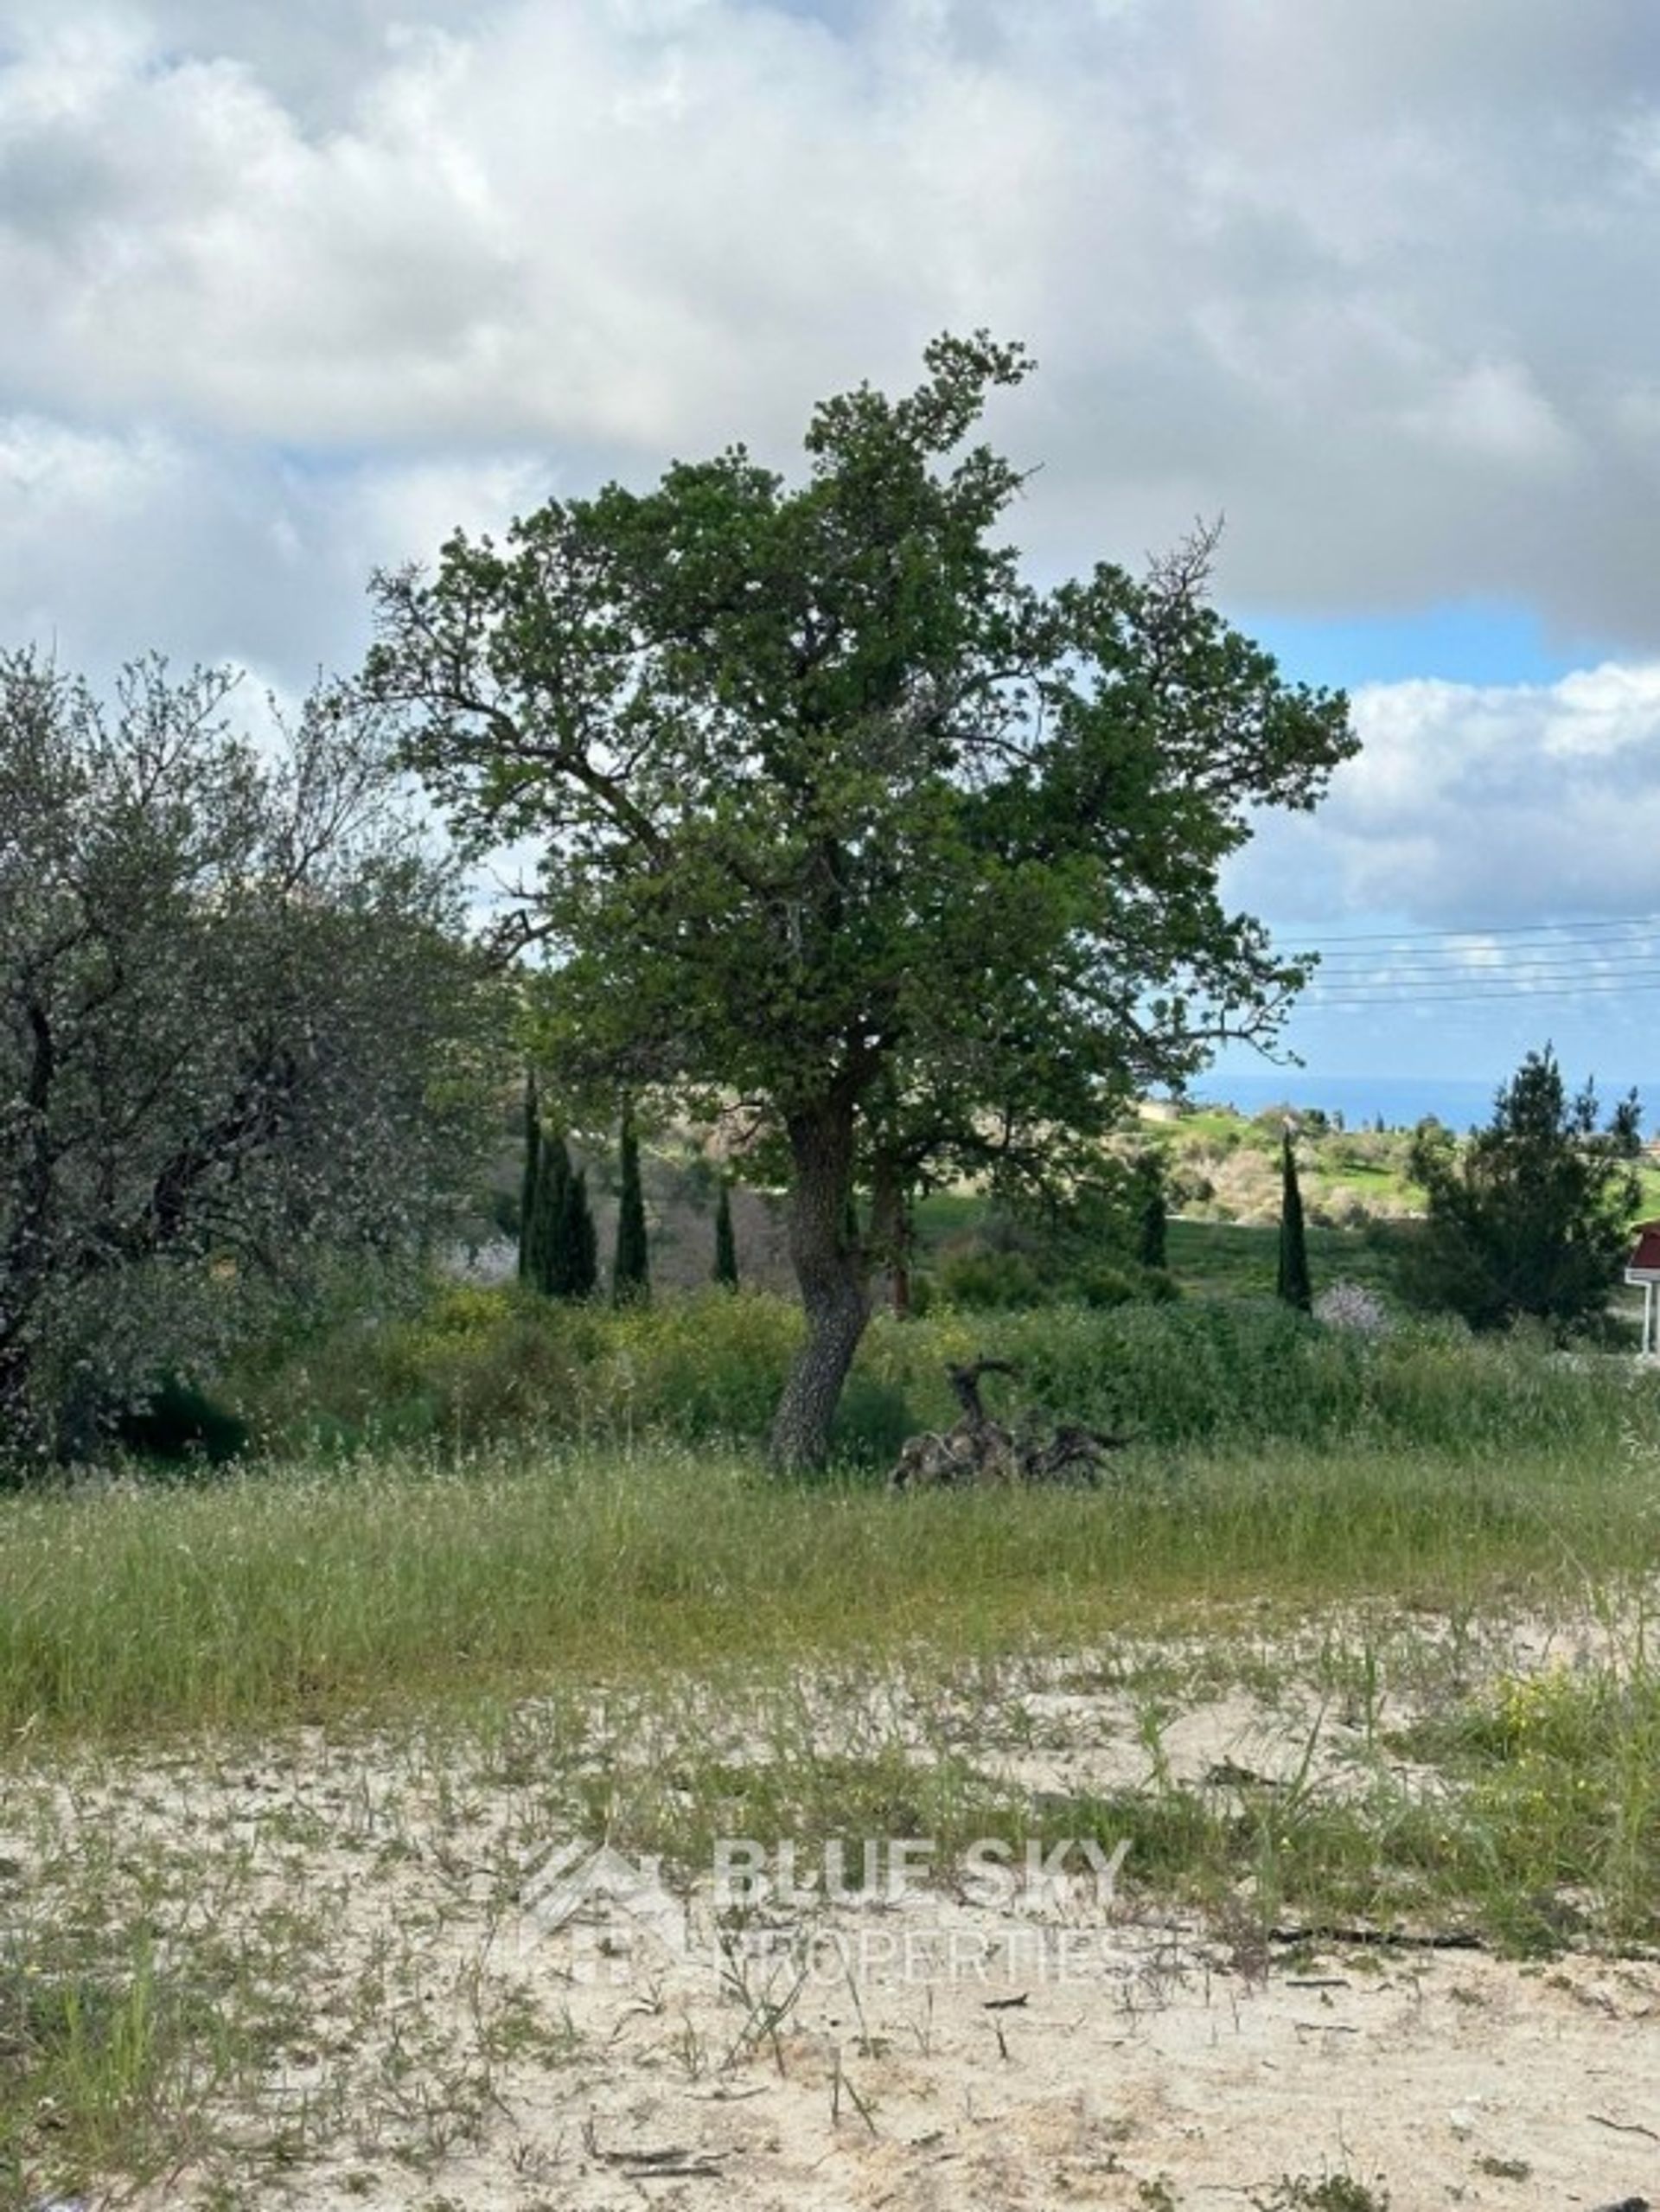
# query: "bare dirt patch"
[384,2008]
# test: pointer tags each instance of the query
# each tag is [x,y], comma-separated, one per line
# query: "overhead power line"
[1547,971]
[1611,988]
[1609,956]
[1477,972]
[1496,929]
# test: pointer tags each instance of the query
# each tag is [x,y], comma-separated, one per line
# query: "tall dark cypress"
[548,1213]
[576,1270]
[1293,1285]
[558,1248]
[631,1271]
[1153,1248]
[529,1181]
[725,1242]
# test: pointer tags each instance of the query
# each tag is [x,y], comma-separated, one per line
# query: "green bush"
[179,1423]
[1106,1282]
[469,1363]
[983,1280]
[980,1277]
[873,1420]
[705,1368]
[1211,1370]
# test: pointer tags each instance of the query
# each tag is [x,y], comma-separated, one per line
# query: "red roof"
[1646,1254]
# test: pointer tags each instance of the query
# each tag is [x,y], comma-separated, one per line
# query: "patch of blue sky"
[1474,642]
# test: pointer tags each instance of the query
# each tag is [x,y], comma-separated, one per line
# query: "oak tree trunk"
[830,1272]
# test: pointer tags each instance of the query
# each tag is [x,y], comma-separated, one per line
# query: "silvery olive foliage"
[240,1028]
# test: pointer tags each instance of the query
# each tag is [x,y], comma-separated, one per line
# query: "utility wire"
[1544,971]
[1499,929]
[1538,949]
[1472,958]
[1404,999]
[1600,958]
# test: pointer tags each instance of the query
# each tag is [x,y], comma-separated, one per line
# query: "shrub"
[1351,1306]
[1103,1282]
[705,1368]
[179,1423]
[982,1280]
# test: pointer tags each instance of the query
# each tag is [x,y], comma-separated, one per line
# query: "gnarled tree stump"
[978,1453]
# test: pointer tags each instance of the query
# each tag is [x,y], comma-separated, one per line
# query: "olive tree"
[838,815]
[238,1029]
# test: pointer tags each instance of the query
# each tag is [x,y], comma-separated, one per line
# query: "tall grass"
[496,1488]
[307,1589]
[479,1366]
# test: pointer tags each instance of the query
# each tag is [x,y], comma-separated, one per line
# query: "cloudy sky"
[290,290]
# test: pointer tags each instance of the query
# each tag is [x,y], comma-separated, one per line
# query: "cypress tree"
[631,1271]
[548,1209]
[1152,1219]
[1532,1215]
[562,1244]
[725,1244]
[528,1182]
[1293,1285]
[575,1270]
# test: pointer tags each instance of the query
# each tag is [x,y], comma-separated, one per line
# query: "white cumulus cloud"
[1476,806]
[1374,279]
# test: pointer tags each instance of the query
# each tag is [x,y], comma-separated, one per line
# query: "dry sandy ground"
[474,2032]
[1144,2068]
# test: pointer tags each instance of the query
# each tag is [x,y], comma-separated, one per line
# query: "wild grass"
[279,1745]
[246,1955]
[314,1589]
[1237,1259]
[103,2049]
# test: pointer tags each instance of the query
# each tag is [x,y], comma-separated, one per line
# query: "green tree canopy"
[1531,1215]
[238,1029]
[840,816]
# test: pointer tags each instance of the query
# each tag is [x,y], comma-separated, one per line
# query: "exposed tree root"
[978,1453]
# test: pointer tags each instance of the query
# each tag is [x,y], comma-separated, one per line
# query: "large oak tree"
[840,815]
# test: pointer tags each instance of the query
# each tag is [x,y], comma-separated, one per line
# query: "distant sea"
[1402,1100]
